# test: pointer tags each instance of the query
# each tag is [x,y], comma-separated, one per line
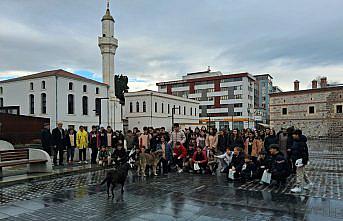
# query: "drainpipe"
[56,105]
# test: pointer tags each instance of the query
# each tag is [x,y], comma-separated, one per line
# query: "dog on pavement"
[146,159]
[115,177]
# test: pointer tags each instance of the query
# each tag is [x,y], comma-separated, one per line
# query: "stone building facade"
[317,111]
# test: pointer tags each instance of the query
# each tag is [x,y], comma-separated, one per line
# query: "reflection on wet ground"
[179,197]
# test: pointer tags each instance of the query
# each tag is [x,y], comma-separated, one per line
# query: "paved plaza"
[179,197]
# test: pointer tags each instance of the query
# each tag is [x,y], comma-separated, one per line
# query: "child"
[103,156]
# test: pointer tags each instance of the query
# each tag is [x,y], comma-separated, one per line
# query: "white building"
[226,100]
[67,97]
[151,108]
[58,95]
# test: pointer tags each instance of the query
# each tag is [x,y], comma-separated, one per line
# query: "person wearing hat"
[46,138]
[59,141]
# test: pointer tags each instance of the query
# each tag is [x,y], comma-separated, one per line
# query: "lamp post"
[248,110]
[173,112]
[98,107]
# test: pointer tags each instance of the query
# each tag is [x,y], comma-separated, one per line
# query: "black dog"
[116,177]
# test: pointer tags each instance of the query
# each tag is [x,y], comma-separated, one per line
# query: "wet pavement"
[179,197]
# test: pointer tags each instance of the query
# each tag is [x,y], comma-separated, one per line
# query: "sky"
[161,40]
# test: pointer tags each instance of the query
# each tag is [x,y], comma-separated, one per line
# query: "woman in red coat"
[179,155]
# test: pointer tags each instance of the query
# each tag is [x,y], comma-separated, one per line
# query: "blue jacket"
[169,151]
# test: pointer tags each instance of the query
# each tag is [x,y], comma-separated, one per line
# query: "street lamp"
[173,112]
[98,107]
[248,110]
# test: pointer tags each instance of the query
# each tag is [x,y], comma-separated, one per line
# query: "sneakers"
[180,171]
[296,190]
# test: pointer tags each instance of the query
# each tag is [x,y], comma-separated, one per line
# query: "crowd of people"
[246,155]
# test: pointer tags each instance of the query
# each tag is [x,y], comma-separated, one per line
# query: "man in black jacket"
[46,139]
[279,165]
[300,157]
[223,140]
[59,140]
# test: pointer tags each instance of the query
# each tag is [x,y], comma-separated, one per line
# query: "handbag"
[231,174]
[266,177]
[196,166]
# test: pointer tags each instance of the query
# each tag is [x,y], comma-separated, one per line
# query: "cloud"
[163,40]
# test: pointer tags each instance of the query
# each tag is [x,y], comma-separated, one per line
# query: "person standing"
[300,159]
[46,138]
[130,141]
[269,140]
[282,141]
[110,138]
[82,144]
[235,140]
[59,141]
[177,136]
[94,144]
[103,137]
[71,144]
[212,140]
[222,141]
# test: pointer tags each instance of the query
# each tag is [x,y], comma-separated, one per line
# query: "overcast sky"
[162,40]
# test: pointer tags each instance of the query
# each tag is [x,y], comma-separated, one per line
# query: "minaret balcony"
[108,41]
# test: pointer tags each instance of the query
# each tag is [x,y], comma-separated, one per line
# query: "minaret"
[108,45]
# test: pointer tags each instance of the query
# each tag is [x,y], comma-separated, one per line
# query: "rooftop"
[147,92]
[314,90]
[58,73]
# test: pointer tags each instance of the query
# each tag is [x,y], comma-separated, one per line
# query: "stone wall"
[324,122]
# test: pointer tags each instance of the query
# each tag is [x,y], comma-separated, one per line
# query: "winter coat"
[269,140]
[211,141]
[103,139]
[299,150]
[201,157]
[279,165]
[223,142]
[68,142]
[256,147]
[82,139]
[59,140]
[46,138]
[238,161]
[235,142]
[180,152]
[168,151]
[94,140]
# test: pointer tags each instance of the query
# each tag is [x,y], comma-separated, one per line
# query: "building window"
[179,110]
[238,96]
[191,111]
[43,85]
[284,111]
[184,110]
[31,86]
[70,104]
[1,90]
[32,103]
[168,108]
[339,109]
[238,114]
[226,97]
[162,108]
[144,106]
[85,105]
[131,107]
[311,109]
[96,90]
[137,107]
[70,86]
[195,112]
[84,88]
[43,100]
[238,105]
[1,102]
[155,107]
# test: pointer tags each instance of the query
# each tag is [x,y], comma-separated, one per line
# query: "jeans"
[70,153]
[82,154]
